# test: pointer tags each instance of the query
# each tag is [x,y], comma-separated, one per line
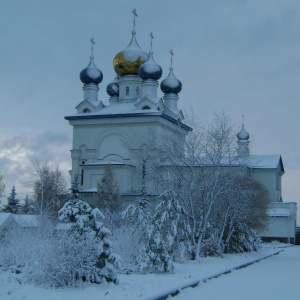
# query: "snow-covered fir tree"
[165,233]
[13,204]
[86,225]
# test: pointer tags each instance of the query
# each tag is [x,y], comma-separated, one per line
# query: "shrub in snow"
[92,237]
[211,247]
[244,239]
[66,257]
[127,242]
[165,234]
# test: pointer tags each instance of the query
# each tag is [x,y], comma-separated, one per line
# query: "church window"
[86,110]
[137,90]
[146,107]
[82,175]
[127,90]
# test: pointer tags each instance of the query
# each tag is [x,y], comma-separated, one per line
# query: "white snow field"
[272,278]
[276,278]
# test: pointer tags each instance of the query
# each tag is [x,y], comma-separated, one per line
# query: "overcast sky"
[241,57]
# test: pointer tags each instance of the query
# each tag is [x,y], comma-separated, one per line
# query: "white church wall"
[268,177]
[106,140]
[281,221]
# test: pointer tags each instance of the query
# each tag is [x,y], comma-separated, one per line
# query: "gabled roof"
[4,219]
[252,161]
[265,162]
[21,221]
[27,221]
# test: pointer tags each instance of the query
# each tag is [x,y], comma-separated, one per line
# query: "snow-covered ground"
[278,274]
[276,278]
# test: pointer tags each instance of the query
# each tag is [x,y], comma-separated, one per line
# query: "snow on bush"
[165,234]
[88,231]
[244,239]
[82,253]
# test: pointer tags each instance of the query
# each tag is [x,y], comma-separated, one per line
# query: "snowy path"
[277,277]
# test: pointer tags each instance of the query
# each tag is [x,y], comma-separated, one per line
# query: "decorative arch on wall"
[111,143]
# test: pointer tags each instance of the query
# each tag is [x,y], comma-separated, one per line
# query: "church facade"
[100,132]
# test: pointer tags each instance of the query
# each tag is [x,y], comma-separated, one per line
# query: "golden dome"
[128,61]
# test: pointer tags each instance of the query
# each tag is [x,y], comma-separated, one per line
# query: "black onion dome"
[150,69]
[243,135]
[112,89]
[171,84]
[91,74]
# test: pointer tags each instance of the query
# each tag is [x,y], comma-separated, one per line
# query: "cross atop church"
[172,54]
[92,47]
[134,16]
[151,39]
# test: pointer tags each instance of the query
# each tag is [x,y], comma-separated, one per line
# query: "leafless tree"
[49,188]
[207,176]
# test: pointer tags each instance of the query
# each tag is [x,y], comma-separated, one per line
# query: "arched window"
[86,110]
[146,107]
[137,90]
[127,90]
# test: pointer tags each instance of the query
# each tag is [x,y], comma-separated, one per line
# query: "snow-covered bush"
[164,233]
[88,231]
[79,253]
[244,239]
[127,242]
[17,248]
[211,247]
[67,259]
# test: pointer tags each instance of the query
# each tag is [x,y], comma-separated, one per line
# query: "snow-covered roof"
[117,110]
[253,162]
[265,162]
[120,108]
[110,162]
[4,219]
[279,212]
[92,190]
[16,220]
[26,221]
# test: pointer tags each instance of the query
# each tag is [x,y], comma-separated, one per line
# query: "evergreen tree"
[165,233]
[88,227]
[28,206]
[13,204]
[107,197]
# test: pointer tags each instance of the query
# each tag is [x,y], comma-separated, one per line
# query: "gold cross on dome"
[134,16]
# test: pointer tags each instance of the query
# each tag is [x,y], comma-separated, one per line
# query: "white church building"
[136,109]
